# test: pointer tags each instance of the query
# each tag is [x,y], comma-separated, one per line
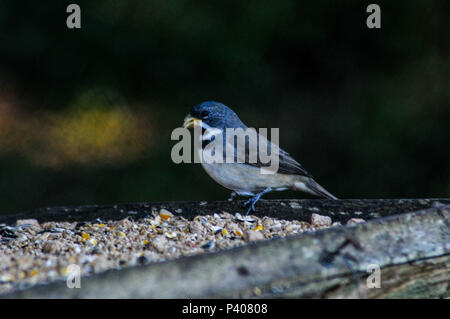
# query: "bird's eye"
[204,114]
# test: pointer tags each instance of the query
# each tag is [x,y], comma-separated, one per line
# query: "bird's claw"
[252,201]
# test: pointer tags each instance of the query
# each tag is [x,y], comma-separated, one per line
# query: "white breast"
[245,178]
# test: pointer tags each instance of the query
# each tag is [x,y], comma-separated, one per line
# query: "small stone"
[159,242]
[267,222]
[241,218]
[276,227]
[32,222]
[231,226]
[124,222]
[320,220]
[305,225]
[156,221]
[171,234]
[21,238]
[77,249]
[292,228]
[336,224]
[51,246]
[355,221]
[253,236]
[204,221]
[196,227]
[226,215]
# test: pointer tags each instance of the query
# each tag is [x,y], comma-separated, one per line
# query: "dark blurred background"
[86,114]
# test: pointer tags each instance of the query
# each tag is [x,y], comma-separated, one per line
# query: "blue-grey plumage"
[245,178]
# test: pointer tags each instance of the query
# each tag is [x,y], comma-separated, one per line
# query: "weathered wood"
[412,249]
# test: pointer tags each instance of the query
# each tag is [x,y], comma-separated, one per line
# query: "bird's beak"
[190,121]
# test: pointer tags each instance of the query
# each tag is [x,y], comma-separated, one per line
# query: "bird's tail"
[312,187]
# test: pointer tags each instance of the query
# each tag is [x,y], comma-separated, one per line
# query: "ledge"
[408,238]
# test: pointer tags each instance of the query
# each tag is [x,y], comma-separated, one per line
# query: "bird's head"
[212,114]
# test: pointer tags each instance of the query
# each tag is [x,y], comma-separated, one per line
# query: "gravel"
[33,252]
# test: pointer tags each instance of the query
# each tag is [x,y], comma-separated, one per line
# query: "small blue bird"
[245,178]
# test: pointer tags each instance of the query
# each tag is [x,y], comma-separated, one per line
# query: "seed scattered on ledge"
[33,252]
[259,227]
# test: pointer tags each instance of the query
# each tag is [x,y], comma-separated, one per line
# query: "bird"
[244,178]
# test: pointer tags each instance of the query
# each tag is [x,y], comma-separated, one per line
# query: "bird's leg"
[252,201]
[232,196]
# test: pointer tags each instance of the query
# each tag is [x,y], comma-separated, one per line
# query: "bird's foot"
[252,201]
[232,196]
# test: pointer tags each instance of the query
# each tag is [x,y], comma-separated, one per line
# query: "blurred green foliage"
[365,111]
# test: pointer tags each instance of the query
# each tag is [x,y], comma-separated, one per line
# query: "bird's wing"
[286,165]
